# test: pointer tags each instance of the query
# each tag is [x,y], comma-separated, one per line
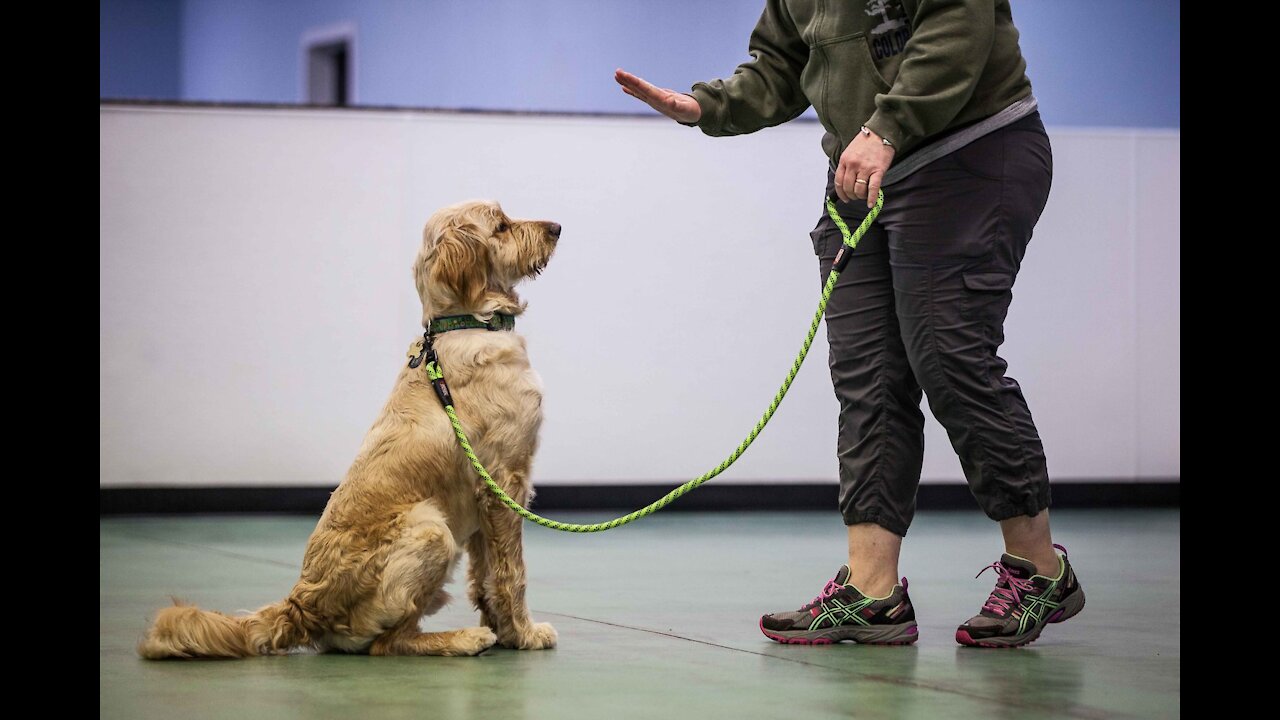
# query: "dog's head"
[473,255]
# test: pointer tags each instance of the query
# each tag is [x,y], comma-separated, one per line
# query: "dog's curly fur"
[386,544]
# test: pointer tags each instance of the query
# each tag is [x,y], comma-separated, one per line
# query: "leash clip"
[426,353]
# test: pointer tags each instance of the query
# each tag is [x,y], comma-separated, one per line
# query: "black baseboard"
[712,497]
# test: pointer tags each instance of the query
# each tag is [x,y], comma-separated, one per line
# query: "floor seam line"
[1080,712]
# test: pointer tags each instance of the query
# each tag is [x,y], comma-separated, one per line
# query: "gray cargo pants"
[921,306]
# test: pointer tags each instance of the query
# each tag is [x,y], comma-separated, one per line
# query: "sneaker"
[842,612]
[1022,603]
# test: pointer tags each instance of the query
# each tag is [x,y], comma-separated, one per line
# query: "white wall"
[256,299]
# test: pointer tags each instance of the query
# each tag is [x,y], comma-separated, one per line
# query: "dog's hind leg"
[408,640]
[417,568]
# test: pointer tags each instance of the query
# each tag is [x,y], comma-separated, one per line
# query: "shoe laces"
[1008,591]
[831,588]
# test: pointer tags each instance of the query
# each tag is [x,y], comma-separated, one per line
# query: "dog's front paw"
[541,636]
[473,640]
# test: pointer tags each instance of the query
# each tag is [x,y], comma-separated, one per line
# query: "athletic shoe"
[1022,603]
[842,612]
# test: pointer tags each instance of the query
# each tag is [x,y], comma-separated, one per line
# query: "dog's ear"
[462,263]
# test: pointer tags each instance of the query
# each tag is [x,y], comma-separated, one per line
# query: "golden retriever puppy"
[387,542]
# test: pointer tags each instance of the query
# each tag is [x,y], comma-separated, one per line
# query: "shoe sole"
[904,634]
[1069,609]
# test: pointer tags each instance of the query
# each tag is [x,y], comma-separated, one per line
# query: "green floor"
[658,620]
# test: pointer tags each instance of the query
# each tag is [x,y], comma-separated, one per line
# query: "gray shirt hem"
[955,141]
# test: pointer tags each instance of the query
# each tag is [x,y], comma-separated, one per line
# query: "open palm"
[674,105]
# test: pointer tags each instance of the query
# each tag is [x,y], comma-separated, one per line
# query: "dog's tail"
[186,631]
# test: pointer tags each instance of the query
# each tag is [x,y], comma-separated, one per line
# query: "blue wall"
[1103,62]
[1092,62]
[139,48]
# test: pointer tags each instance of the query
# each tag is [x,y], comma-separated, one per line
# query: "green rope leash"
[850,242]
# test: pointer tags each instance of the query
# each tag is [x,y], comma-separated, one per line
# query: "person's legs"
[1029,537]
[880,449]
[957,231]
[873,558]
[880,446]
[957,234]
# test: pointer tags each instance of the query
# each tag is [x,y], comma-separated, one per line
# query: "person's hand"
[862,167]
[677,106]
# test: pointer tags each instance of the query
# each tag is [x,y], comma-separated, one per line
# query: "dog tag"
[415,349]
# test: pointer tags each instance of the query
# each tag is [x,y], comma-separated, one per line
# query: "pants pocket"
[820,235]
[987,296]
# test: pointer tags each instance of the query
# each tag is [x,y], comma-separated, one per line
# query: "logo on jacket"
[889,37]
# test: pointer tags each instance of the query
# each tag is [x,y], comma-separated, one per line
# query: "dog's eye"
[503,227]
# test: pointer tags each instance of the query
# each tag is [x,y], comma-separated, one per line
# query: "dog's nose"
[554,229]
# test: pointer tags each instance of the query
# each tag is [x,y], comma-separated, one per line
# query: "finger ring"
[859,180]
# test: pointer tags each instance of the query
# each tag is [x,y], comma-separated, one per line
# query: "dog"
[387,542]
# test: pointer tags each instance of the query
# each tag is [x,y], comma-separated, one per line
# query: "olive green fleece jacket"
[962,64]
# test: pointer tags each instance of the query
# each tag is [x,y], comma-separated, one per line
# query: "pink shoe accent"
[830,589]
[780,639]
[963,637]
[913,630]
[1004,599]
